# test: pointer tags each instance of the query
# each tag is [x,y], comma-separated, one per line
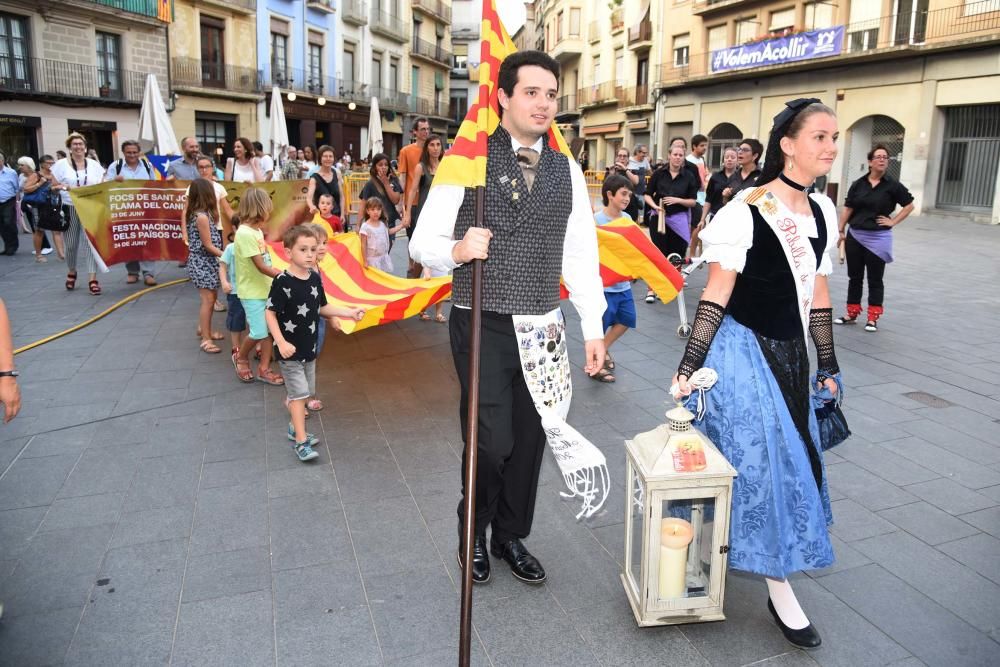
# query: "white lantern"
[676,524]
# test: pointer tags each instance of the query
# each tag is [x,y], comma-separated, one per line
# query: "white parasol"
[154,123]
[374,130]
[279,129]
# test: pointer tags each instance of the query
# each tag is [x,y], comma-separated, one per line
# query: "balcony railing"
[920,30]
[598,93]
[37,77]
[148,8]
[391,100]
[354,12]
[202,74]
[389,26]
[434,8]
[304,81]
[433,52]
[636,96]
[465,31]
[426,107]
[245,6]
[566,104]
[642,32]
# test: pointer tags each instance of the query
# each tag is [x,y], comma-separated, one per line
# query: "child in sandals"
[295,304]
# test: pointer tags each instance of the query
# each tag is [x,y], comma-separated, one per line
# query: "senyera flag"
[348,282]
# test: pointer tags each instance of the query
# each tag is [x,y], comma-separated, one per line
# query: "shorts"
[300,378]
[254,311]
[621,309]
[236,317]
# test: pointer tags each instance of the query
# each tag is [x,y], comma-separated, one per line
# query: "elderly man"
[185,168]
[291,170]
[133,167]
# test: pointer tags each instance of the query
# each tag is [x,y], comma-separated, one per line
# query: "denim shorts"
[254,311]
[621,309]
[300,378]
[236,317]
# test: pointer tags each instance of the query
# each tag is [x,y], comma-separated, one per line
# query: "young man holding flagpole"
[537,226]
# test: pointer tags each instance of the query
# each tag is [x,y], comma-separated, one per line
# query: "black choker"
[792,184]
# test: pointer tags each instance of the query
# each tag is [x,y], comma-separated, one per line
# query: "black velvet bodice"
[764,298]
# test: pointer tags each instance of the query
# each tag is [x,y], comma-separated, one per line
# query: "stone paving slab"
[151,511]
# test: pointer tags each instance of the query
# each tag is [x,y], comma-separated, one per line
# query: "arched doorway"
[868,132]
[720,138]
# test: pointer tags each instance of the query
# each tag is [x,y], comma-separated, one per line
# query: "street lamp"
[321,101]
[291,96]
[352,106]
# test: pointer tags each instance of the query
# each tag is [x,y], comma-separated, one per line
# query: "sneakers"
[304,451]
[311,439]
[844,319]
[871,326]
[650,298]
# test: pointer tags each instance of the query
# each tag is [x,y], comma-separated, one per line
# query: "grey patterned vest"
[522,273]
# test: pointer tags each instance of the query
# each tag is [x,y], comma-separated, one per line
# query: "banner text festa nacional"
[800,46]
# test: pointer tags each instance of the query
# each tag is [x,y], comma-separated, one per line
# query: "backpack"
[143,161]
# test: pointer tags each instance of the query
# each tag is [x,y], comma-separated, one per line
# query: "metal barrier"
[353,185]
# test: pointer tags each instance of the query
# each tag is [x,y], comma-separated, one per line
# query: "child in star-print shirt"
[294,308]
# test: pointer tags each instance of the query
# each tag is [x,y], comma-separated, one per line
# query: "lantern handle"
[701,381]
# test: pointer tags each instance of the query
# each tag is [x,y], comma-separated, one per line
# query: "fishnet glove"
[707,320]
[821,330]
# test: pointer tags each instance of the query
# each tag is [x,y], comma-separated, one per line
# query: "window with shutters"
[819,15]
[746,30]
[682,50]
[718,37]
[109,62]
[782,21]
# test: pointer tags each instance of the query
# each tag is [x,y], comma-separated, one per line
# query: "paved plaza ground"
[152,512]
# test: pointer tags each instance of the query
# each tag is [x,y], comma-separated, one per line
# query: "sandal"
[215,334]
[268,376]
[210,347]
[609,363]
[150,281]
[440,318]
[132,279]
[219,307]
[871,325]
[315,405]
[71,280]
[603,375]
[846,320]
[424,316]
[242,367]
[40,260]
[94,287]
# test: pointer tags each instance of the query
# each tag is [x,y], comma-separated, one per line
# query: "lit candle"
[675,536]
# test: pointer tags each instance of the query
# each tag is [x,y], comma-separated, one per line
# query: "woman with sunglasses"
[868,244]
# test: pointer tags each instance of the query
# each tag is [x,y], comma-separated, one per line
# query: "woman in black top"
[324,182]
[868,246]
[384,185]
[713,195]
[747,156]
[671,194]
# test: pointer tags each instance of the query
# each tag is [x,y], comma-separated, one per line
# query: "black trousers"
[859,260]
[8,225]
[511,439]
[668,242]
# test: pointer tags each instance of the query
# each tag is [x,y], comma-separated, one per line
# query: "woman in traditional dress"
[767,253]
[868,245]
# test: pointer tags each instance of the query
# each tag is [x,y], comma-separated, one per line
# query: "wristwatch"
[12,374]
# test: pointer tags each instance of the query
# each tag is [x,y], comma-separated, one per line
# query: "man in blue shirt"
[9,185]
[133,167]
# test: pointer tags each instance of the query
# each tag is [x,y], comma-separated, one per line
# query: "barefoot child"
[325,217]
[294,306]
[375,236]
[204,248]
[254,274]
[236,319]
[619,317]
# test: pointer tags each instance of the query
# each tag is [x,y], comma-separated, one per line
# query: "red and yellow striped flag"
[465,162]
[165,10]
[626,253]
[348,282]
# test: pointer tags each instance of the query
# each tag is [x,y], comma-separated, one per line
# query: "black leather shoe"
[480,561]
[523,565]
[806,637]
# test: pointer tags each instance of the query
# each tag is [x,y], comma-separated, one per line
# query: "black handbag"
[833,428]
[52,215]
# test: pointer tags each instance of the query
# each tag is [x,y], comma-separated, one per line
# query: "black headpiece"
[791,110]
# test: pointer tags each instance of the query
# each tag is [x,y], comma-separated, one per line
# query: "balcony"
[567,106]
[634,99]
[425,107]
[641,35]
[220,79]
[707,7]
[391,100]
[354,12]
[617,19]
[435,8]
[325,6]
[389,26]
[69,82]
[888,37]
[598,94]
[433,53]
[310,83]
[239,6]
[465,32]
[144,11]
[567,48]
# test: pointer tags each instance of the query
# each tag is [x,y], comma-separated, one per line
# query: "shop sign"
[100,125]
[20,121]
[780,50]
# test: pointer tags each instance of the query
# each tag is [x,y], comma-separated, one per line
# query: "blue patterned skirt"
[781,505]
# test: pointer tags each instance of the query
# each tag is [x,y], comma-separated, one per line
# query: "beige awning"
[601,129]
